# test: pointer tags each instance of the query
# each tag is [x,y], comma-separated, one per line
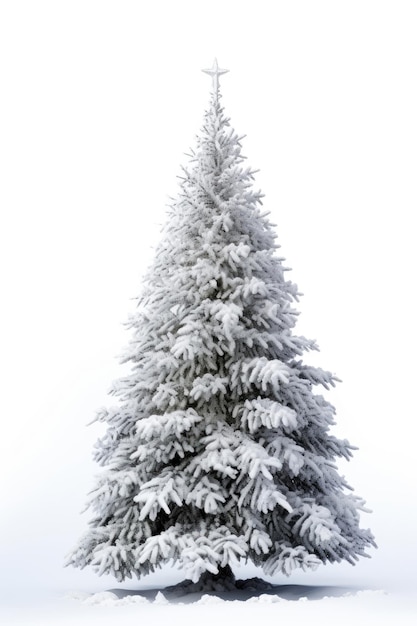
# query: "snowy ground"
[367,607]
[335,595]
[293,604]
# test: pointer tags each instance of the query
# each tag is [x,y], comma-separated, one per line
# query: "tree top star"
[215,72]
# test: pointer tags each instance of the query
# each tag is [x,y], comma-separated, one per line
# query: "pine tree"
[218,450]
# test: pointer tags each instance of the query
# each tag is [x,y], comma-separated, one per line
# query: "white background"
[99,101]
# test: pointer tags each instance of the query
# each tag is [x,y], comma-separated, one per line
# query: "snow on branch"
[265,413]
[204,549]
[166,425]
[287,558]
[158,492]
[264,373]
[232,453]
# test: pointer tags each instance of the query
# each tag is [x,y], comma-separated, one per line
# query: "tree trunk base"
[223,581]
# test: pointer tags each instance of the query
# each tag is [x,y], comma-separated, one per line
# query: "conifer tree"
[218,449]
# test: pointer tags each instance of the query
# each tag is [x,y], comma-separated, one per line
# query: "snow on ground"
[336,595]
[106,608]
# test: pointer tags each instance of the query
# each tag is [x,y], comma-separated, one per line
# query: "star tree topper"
[215,72]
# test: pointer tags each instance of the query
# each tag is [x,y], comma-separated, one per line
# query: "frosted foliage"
[218,446]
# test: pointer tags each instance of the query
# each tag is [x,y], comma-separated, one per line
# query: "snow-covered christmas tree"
[218,450]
